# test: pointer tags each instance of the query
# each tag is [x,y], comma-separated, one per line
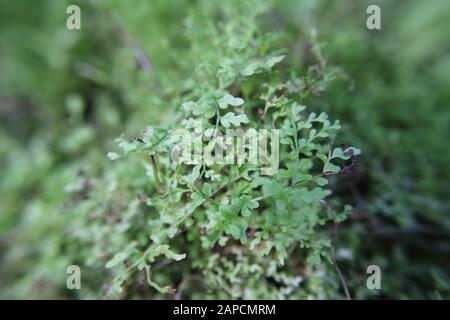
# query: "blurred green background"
[65,95]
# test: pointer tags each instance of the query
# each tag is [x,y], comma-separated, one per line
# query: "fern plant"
[230,224]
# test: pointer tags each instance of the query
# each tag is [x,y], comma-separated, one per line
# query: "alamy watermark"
[74,279]
[373,21]
[374,280]
[237,146]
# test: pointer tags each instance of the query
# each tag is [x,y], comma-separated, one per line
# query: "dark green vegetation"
[141,229]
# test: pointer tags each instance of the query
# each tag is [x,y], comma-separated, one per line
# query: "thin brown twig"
[333,254]
[139,54]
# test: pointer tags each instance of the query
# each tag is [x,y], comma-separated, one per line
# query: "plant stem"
[155,171]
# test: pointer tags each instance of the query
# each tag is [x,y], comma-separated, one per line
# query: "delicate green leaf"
[228,99]
[117,259]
